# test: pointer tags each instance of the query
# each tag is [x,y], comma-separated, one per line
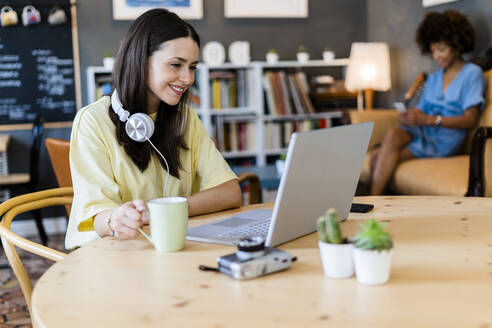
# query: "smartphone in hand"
[400,107]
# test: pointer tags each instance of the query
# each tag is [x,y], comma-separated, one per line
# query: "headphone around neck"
[139,126]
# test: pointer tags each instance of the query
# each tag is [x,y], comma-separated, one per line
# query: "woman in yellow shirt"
[113,176]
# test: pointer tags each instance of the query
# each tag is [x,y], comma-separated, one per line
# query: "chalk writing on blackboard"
[53,73]
[38,69]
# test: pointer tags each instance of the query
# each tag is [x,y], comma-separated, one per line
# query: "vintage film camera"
[252,260]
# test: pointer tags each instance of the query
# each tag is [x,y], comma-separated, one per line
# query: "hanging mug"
[8,16]
[30,15]
[57,16]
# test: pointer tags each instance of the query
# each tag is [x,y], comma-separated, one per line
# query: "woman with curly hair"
[450,103]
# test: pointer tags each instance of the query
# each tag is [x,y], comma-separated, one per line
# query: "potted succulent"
[336,251]
[328,55]
[372,253]
[272,56]
[302,55]
[108,60]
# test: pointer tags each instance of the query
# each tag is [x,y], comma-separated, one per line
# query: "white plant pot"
[372,267]
[328,56]
[108,62]
[280,165]
[337,260]
[302,57]
[271,58]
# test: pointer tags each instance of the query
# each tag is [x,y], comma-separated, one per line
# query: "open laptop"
[322,170]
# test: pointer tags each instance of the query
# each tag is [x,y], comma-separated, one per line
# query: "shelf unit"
[253,112]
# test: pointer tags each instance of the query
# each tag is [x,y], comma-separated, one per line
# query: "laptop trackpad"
[233,222]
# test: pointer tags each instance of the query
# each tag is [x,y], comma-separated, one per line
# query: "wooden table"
[441,277]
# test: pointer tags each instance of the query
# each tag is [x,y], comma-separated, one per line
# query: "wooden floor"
[13,309]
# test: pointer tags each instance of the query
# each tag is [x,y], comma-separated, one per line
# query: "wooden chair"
[20,204]
[254,186]
[29,181]
[59,150]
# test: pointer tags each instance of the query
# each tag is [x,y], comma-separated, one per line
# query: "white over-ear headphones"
[139,127]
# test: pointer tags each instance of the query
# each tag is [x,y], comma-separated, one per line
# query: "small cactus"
[328,228]
[373,236]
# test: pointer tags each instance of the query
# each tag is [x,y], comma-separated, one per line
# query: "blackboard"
[37,67]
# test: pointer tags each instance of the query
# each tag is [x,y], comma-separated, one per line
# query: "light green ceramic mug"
[168,223]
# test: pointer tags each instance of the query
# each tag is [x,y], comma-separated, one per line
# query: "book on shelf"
[287,94]
[277,134]
[230,89]
[194,97]
[304,90]
[236,136]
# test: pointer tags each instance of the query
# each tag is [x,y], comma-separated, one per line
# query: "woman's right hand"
[127,218]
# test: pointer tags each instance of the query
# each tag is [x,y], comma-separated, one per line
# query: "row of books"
[277,134]
[287,94]
[231,89]
[235,136]
[240,136]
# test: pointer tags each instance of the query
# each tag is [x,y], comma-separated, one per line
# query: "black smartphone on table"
[361,208]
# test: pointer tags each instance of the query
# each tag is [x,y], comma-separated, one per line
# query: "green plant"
[327,49]
[373,236]
[272,51]
[107,54]
[283,157]
[328,228]
[301,49]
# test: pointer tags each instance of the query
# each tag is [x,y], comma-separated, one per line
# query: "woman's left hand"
[413,117]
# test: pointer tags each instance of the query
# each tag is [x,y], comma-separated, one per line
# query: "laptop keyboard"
[258,229]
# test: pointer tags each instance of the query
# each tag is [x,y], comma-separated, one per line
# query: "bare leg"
[373,159]
[388,157]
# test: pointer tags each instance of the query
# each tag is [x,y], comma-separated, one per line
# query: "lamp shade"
[369,67]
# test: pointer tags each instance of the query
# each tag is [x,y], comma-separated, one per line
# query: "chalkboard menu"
[37,66]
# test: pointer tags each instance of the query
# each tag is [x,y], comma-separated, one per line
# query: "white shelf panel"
[311,63]
[277,151]
[227,66]
[299,117]
[239,154]
[233,111]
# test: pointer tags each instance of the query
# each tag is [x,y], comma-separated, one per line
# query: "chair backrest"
[59,150]
[20,204]
[37,137]
[254,185]
[485,114]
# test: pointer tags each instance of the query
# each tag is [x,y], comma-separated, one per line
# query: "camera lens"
[251,244]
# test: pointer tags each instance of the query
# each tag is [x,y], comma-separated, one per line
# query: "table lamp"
[368,70]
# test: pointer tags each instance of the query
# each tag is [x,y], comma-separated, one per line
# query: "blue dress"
[465,91]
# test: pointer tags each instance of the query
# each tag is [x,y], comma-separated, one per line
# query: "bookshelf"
[230,100]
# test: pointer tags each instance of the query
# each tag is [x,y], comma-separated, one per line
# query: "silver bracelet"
[108,221]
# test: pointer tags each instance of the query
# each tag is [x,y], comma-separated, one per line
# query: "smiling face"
[443,54]
[171,71]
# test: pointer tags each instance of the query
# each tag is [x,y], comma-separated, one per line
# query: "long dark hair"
[144,37]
